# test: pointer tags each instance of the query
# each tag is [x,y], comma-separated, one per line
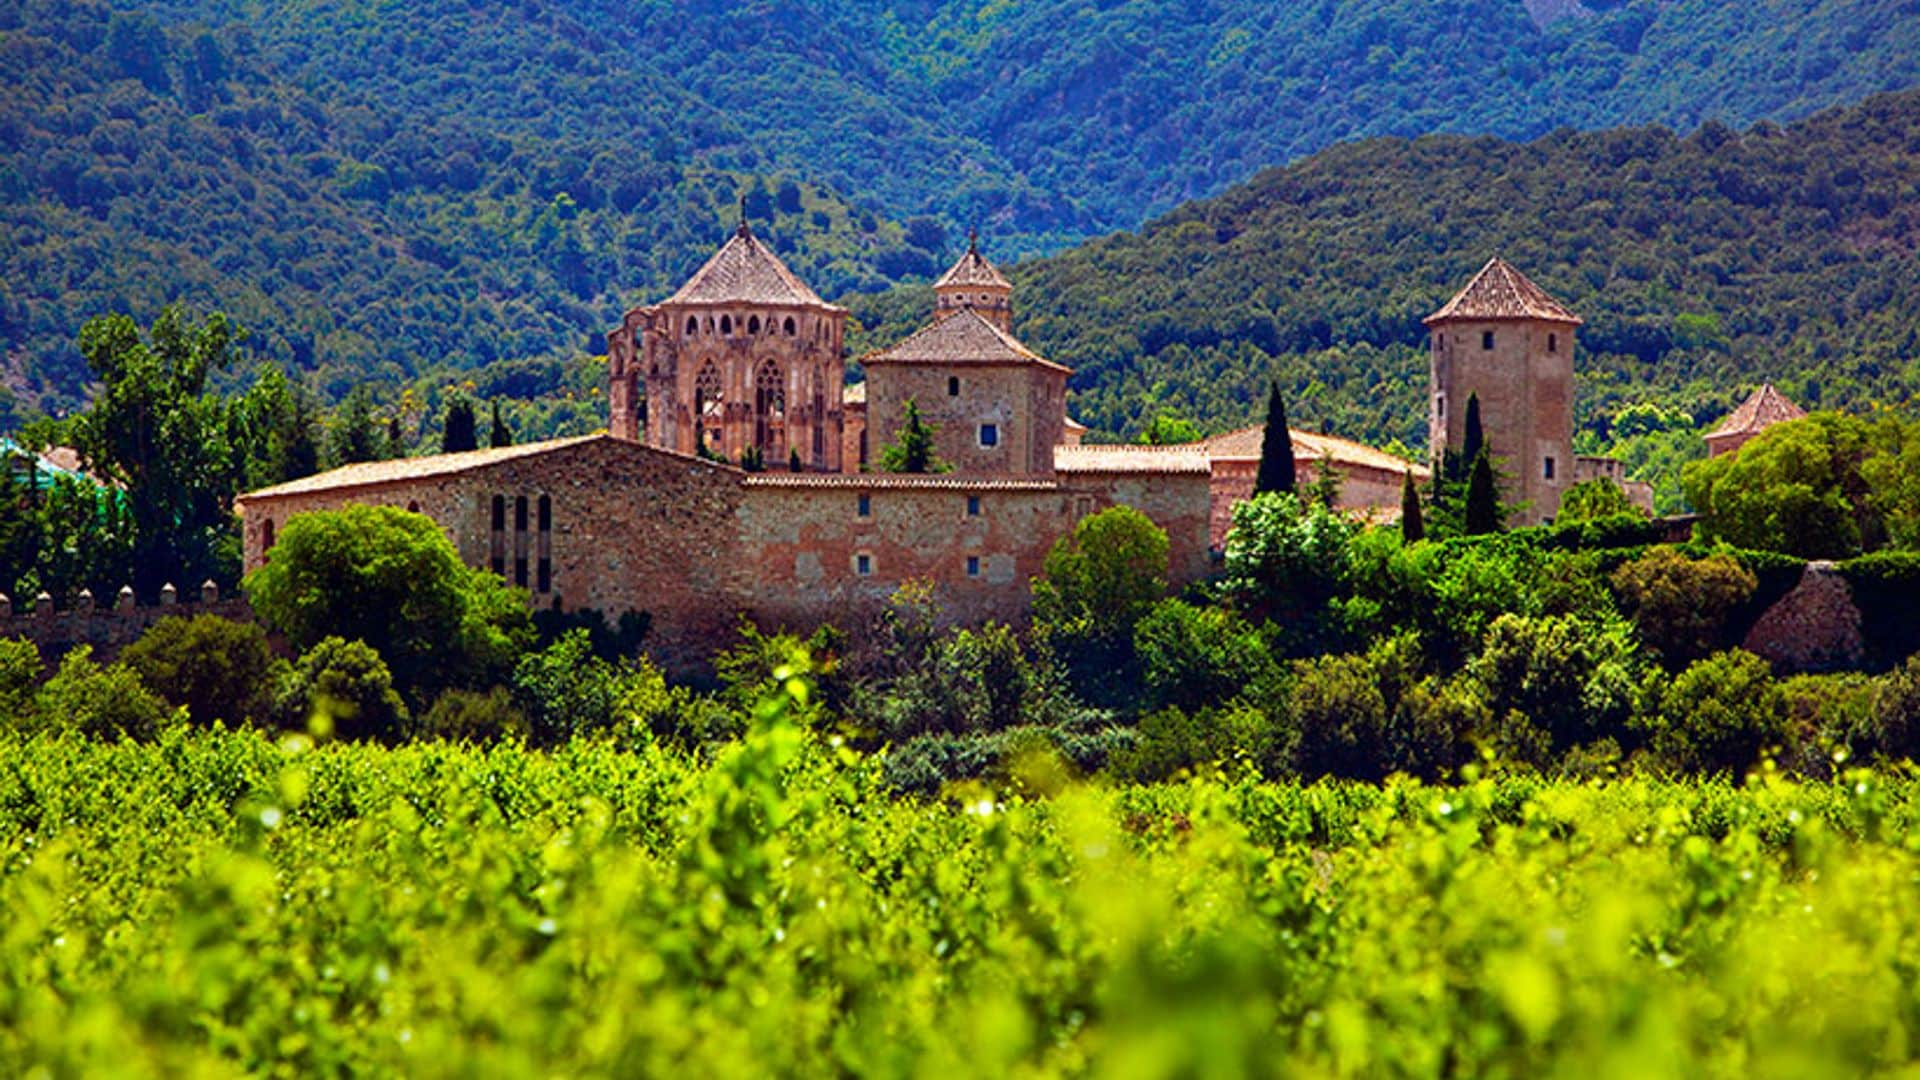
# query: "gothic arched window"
[753,324]
[770,410]
[693,326]
[709,404]
[726,326]
[789,326]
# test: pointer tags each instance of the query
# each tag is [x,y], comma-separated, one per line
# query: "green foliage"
[1366,716]
[1191,657]
[1286,559]
[1483,513]
[1572,680]
[342,689]
[1413,527]
[566,691]
[1891,727]
[1590,500]
[215,668]
[469,716]
[1826,486]
[1680,605]
[1098,582]
[912,451]
[353,433]
[1171,742]
[500,434]
[1169,428]
[393,580]
[1886,588]
[459,431]
[20,671]
[1277,472]
[100,702]
[1718,715]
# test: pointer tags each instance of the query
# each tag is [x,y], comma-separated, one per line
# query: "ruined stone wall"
[110,625]
[1525,386]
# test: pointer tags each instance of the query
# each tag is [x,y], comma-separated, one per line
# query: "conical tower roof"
[973,271]
[745,271]
[1499,291]
[1764,409]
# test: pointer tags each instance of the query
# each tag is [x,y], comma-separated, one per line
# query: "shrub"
[1681,606]
[20,670]
[1367,716]
[101,702]
[342,689]
[470,716]
[1192,657]
[566,691]
[1894,730]
[1098,582]
[1886,588]
[1172,741]
[1572,678]
[1591,500]
[217,668]
[1718,716]
[393,580]
[1286,560]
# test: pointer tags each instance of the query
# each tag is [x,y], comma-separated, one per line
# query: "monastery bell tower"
[974,283]
[1503,339]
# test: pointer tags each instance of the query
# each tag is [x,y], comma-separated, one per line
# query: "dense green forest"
[392,192]
[1702,264]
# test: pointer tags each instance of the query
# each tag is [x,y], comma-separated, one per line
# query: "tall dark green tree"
[1412,525]
[461,433]
[1475,439]
[1276,448]
[277,423]
[501,435]
[913,451]
[155,431]
[1483,498]
[353,435]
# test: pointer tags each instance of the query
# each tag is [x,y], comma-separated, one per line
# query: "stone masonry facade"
[744,362]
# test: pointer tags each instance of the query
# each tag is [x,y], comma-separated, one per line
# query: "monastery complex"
[745,363]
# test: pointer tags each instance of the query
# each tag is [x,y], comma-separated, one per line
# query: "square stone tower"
[1504,340]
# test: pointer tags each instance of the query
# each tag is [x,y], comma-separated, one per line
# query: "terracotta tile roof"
[1499,291]
[1244,445]
[745,271]
[898,481]
[1188,458]
[854,395]
[373,473]
[961,338]
[973,271]
[1764,409]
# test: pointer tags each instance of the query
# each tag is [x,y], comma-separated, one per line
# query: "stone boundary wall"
[108,627]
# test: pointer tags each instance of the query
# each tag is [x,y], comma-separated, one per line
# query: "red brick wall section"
[56,629]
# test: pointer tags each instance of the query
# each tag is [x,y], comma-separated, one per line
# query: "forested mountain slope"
[1702,265]
[379,189]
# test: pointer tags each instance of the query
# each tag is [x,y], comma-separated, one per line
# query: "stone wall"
[110,626]
[1025,402]
[1365,491]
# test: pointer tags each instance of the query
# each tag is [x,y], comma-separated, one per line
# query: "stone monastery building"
[746,361]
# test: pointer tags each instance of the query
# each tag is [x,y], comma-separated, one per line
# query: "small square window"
[953,386]
[973,566]
[973,506]
[1486,339]
[866,506]
[989,434]
[863,564]
[1548,469]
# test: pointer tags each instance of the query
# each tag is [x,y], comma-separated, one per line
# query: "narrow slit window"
[973,506]
[497,548]
[520,541]
[1547,469]
[973,566]
[1486,339]
[863,564]
[953,386]
[543,572]
[866,506]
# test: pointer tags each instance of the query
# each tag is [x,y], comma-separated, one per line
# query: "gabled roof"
[1243,444]
[374,473]
[973,271]
[745,271]
[1764,409]
[1499,291]
[961,338]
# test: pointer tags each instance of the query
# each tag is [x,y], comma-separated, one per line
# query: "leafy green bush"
[1886,589]
[1098,581]
[468,716]
[100,702]
[1367,716]
[342,689]
[1172,741]
[1286,561]
[1683,607]
[566,691]
[20,671]
[218,669]
[1717,716]
[1573,679]
[1192,657]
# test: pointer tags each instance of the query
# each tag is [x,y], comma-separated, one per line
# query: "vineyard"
[214,902]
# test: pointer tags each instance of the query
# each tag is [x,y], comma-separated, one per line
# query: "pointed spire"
[1499,291]
[973,240]
[743,229]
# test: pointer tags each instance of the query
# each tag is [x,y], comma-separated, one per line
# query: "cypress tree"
[1412,525]
[1483,502]
[1276,448]
[396,440]
[460,432]
[1476,438]
[502,435]
[793,459]
[913,453]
